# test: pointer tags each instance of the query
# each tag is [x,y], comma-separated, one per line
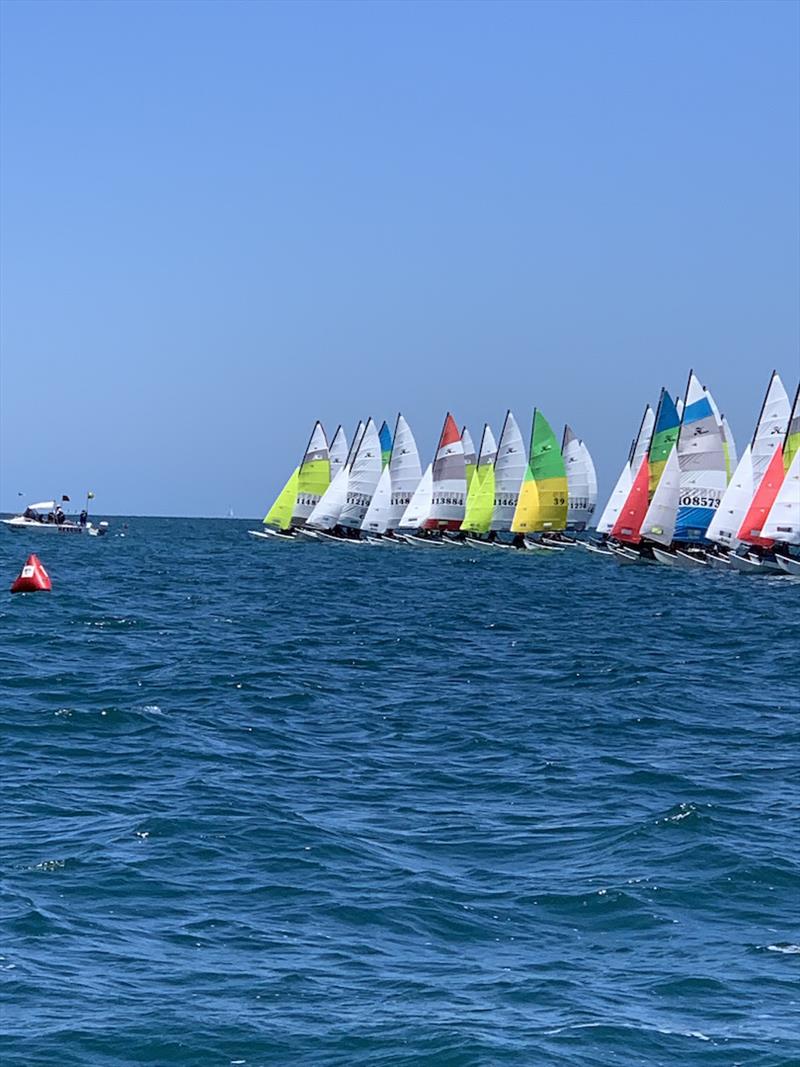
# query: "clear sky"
[221,221]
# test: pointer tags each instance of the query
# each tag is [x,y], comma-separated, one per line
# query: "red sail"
[450,432]
[763,500]
[630,519]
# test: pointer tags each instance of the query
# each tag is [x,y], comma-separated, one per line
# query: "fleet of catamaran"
[683,497]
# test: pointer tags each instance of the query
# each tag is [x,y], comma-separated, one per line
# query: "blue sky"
[222,221]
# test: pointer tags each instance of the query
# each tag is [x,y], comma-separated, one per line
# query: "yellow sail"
[280,514]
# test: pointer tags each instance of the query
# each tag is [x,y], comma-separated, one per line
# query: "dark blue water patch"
[310,804]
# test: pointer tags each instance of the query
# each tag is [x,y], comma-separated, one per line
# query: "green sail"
[665,435]
[280,514]
[792,442]
[542,503]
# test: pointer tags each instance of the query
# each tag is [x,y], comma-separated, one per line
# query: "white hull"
[18,525]
[270,535]
[304,533]
[790,566]
[475,542]
[718,562]
[628,556]
[749,565]
[682,560]
[424,542]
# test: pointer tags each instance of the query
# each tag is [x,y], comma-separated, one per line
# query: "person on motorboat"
[83,518]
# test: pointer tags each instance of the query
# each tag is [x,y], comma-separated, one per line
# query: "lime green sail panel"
[542,503]
[280,514]
[665,434]
[792,443]
[480,501]
[315,475]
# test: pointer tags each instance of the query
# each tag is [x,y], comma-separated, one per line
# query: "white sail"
[470,456]
[338,451]
[419,508]
[449,480]
[592,477]
[377,515]
[580,476]
[326,513]
[314,475]
[365,473]
[488,450]
[659,521]
[701,457]
[619,494]
[771,429]
[406,472]
[732,509]
[645,435]
[679,406]
[783,521]
[509,470]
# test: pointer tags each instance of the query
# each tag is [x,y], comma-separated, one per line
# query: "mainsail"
[326,513]
[641,445]
[542,504]
[624,484]
[314,476]
[385,436]
[480,495]
[406,472]
[509,470]
[449,480]
[470,459]
[397,483]
[581,481]
[731,459]
[365,472]
[701,458]
[665,434]
[771,428]
[337,451]
[783,521]
[792,442]
[768,436]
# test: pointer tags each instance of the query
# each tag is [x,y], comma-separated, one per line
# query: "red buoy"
[32,577]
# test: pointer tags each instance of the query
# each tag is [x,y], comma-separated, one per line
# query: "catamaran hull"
[628,556]
[790,566]
[752,565]
[271,535]
[682,560]
[424,542]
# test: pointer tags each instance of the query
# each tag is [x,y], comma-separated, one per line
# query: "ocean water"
[323,804]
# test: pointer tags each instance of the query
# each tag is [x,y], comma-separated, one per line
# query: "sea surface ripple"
[322,804]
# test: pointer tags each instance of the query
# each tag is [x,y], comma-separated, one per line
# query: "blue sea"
[335,805]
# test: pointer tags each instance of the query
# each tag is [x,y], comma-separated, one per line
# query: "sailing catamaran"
[581,481]
[302,491]
[682,508]
[542,504]
[625,536]
[399,479]
[481,493]
[622,487]
[434,512]
[771,427]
